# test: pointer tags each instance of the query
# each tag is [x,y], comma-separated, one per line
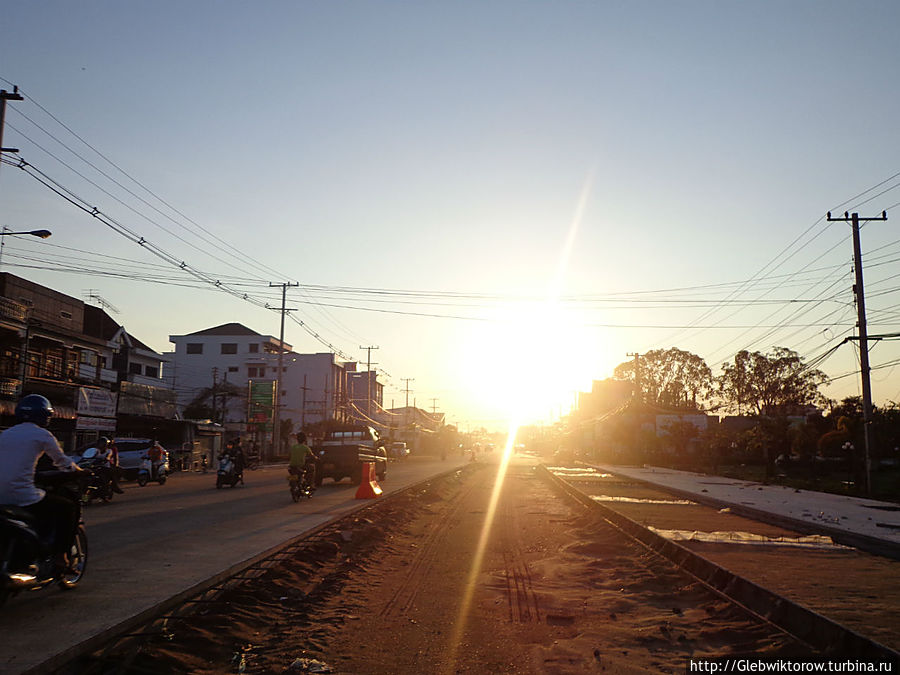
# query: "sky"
[506,198]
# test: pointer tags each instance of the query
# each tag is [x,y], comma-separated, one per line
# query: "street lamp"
[41,234]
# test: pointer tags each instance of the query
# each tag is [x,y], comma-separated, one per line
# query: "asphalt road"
[153,543]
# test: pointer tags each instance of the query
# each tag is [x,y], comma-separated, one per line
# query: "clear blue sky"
[452,148]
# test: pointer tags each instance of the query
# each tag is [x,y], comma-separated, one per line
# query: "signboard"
[261,404]
[95,402]
[96,424]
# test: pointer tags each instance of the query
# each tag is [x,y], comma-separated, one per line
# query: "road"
[153,543]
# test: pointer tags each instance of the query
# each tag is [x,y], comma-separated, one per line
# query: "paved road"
[153,543]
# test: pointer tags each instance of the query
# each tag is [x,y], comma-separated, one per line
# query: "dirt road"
[463,577]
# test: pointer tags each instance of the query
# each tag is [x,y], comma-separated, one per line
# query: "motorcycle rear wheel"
[142,480]
[77,560]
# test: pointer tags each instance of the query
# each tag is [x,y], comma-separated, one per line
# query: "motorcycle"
[226,475]
[98,484]
[301,482]
[157,470]
[26,558]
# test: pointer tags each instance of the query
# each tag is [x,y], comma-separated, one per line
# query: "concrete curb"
[863,542]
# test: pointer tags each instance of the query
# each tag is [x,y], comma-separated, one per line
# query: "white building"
[223,360]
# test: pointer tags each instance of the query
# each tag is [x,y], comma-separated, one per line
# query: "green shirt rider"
[302,456]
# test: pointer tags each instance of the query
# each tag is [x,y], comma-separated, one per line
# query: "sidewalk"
[863,523]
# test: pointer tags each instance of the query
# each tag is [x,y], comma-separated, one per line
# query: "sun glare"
[526,363]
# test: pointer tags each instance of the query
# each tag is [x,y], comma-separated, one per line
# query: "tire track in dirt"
[426,553]
[522,600]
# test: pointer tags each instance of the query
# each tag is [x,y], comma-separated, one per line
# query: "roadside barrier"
[368,486]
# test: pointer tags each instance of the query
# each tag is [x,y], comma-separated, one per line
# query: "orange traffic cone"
[368,487]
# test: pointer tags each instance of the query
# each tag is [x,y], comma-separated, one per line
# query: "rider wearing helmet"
[107,451]
[20,448]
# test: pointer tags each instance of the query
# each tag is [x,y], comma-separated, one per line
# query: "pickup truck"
[340,461]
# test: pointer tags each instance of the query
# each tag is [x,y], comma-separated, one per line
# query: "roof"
[97,323]
[226,329]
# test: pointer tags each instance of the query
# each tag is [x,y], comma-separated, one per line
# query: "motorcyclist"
[21,447]
[303,459]
[157,455]
[237,455]
[106,450]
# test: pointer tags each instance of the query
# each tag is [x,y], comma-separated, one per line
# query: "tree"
[777,383]
[680,433]
[670,377]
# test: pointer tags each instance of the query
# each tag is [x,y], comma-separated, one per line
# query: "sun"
[527,362]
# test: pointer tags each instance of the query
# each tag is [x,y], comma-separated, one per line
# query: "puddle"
[636,500]
[567,472]
[819,541]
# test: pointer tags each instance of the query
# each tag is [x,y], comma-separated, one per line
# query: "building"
[81,359]
[229,371]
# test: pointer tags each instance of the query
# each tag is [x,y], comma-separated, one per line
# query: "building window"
[254,371]
[88,357]
[232,369]
[66,315]
[194,347]
[229,348]
[254,348]
[134,368]
[150,371]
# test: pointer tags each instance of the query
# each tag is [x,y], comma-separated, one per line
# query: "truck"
[343,451]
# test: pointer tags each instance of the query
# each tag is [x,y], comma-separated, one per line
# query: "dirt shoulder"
[408,588]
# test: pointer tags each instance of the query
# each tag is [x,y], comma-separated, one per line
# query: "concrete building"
[216,366]
[81,359]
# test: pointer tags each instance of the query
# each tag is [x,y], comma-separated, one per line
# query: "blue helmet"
[34,408]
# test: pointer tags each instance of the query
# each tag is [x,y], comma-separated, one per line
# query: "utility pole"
[304,389]
[434,406]
[638,394]
[276,414]
[407,390]
[4,97]
[865,370]
[369,380]
[215,388]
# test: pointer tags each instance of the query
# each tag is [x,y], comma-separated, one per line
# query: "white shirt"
[20,448]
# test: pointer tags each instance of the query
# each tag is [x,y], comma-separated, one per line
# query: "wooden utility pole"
[864,368]
[407,390]
[276,413]
[4,97]
[369,380]
[304,389]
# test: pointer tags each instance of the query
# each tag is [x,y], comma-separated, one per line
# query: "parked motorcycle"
[226,475]
[157,470]
[26,558]
[98,483]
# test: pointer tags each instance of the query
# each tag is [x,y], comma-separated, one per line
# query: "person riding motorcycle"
[303,459]
[21,447]
[237,456]
[106,450]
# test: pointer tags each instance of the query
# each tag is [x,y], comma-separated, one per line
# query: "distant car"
[398,450]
